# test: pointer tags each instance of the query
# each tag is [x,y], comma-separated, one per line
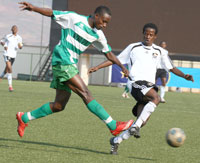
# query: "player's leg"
[9,74]
[162,89]
[125,93]
[148,109]
[61,99]
[115,141]
[77,85]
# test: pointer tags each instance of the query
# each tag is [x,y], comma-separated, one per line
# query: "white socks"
[146,112]
[9,76]
[162,92]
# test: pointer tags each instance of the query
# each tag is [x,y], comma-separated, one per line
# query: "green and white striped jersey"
[76,36]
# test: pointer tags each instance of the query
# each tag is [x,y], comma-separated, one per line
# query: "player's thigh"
[77,85]
[8,66]
[164,80]
[62,97]
[153,96]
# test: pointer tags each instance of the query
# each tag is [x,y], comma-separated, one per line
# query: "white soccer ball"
[175,137]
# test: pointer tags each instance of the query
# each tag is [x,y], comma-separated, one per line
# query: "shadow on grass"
[139,158]
[52,145]
[65,147]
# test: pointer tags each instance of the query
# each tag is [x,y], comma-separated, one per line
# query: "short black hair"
[150,25]
[102,10]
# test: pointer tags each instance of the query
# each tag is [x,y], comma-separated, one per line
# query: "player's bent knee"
[86,95]
[57,107]
[156,99]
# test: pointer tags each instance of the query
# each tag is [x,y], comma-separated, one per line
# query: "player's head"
[102,16]
[150,31]
[14,29]
[163,44]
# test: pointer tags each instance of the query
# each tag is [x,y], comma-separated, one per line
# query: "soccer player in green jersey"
[78,32]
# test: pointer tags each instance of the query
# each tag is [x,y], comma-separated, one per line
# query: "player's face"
[149,36]
[14,29]
[101,21]
[163,45]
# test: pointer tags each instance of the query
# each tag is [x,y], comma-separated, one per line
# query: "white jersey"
[160,65]
[143,61]
[11,42]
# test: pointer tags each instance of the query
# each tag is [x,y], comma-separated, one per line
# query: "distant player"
[78,33]
[162,74]
[142,59]
[11,43]
[126,91]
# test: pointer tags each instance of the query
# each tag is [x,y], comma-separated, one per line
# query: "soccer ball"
[175,137]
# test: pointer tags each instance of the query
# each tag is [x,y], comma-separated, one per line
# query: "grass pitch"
[77,136]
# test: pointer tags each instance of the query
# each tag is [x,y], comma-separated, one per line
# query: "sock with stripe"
[100,112]
[42,111]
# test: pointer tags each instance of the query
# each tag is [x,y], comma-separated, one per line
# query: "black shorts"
[10,59]
[138,90]
[161,73]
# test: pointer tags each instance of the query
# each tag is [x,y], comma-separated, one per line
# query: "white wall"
[26,60]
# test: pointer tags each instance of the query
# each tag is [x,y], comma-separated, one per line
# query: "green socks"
[93,106]
[100,112]
[43,111]
[126,89]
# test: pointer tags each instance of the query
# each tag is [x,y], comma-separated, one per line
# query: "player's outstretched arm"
[112,58]
[181,74]
[101,65]
[30,7]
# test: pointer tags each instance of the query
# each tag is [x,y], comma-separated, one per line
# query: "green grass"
[77,136]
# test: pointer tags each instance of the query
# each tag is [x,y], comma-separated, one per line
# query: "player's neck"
[145,44]
[91,21]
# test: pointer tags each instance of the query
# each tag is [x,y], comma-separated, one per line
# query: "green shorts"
[62,73]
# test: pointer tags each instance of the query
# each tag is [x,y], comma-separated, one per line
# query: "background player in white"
[162,74]
[11,42]
[78,33]
[142,59]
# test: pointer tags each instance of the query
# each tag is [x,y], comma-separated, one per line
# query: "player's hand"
[92,69]
[26,6]
[125,71]
[189,77]
[20,45]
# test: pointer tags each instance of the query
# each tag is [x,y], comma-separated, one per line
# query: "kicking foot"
[121,126]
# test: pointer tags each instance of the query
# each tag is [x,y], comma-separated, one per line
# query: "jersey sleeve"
[63,17]
[101,44]
[4,39]
[124,56]
[166,62]
[19,40]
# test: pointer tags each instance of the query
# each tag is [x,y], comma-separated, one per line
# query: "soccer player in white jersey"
[162,74]
[78,32]
[11,43]
[142,59]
